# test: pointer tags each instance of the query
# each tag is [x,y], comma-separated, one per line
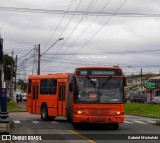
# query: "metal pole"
[15,82]
[11,83]
[39,56]
[141,79]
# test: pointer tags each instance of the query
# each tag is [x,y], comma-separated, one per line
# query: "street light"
[40,55]
[139,73]
[52,46]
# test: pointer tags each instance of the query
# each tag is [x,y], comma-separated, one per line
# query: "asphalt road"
[60,130]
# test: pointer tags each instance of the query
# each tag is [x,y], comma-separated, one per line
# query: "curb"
[144,116]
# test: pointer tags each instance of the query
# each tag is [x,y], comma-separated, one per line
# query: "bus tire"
[115,126]
[44,113]
[68,119]
[76,125]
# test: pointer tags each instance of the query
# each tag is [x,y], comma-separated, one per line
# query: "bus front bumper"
[98,119]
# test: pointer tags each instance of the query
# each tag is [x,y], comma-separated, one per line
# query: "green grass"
[158,123]
[11,107]
[150,110]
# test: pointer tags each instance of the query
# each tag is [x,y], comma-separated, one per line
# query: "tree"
[8,67]
[1,53]
[22,84]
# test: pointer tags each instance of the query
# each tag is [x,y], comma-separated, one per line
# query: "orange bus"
[46,94]
[92,94]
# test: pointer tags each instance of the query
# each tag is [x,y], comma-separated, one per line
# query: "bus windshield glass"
[98,90]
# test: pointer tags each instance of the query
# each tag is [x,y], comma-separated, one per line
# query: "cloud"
[87,33]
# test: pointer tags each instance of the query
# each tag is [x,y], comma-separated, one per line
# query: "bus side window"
[52,86]
[44,86]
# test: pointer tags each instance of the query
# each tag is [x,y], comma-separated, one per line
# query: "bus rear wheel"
[44,113]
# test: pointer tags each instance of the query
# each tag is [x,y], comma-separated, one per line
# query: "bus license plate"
[99,119]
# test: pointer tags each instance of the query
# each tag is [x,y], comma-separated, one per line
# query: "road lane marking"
[83,137]
[152,122]
[17,122]
[140,122]
[35,122]
[128,122]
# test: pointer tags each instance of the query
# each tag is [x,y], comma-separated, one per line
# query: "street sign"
[150,85]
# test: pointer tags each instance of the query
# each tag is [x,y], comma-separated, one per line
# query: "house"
[136,83]
[153,87]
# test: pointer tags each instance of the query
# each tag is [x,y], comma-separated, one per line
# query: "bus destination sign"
[98,72]
[102,72]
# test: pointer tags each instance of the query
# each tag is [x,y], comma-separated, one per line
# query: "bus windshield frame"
[99,90]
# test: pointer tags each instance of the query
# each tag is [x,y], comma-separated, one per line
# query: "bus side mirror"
[71,86]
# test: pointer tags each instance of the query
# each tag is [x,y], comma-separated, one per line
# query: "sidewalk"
[22,114]
[22,106]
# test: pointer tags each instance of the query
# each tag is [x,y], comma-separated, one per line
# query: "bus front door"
[61,99]
[35,98]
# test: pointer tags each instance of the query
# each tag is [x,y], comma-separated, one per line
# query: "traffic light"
[1,51]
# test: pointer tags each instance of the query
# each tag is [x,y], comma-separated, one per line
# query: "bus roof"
[56,75]
[112,67]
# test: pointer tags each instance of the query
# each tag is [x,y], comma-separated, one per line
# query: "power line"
[70,19]
[66,25]
[26,54]
[16,9]
[84,31]
[80,20]
[59,23]
[97,31]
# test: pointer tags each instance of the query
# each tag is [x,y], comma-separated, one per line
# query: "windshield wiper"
[91,81]
[106,81]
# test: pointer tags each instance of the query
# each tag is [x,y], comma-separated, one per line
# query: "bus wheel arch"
[44,111]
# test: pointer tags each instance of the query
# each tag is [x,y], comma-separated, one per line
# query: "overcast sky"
[95,32]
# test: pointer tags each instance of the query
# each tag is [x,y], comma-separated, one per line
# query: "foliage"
[7,67]
[11,106]
[22,84]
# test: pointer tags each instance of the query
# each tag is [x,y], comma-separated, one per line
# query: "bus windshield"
[98,90]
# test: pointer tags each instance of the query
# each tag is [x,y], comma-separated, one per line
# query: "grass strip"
[151,110]
[12,107]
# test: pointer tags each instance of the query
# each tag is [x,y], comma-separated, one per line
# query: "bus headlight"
[118,113]
[79,112]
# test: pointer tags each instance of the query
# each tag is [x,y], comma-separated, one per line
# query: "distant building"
[153,87]
[138,82]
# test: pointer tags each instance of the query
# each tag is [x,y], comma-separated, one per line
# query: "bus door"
[35,99]
[61,99]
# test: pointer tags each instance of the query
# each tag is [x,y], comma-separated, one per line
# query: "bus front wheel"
[115,126]
[44,112]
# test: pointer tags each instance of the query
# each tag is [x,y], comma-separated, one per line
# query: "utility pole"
[39,56]
[15,82]
[35,62]
[1,65]
[11,83]
[141,79]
